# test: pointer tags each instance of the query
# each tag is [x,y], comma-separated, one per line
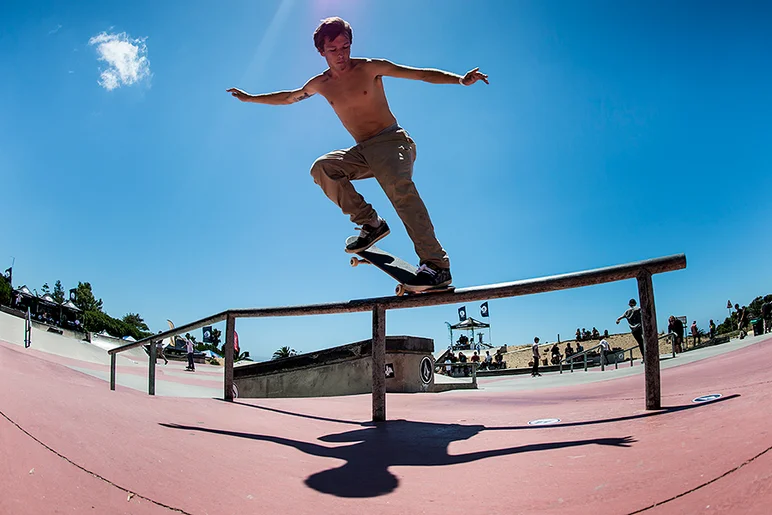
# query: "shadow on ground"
[374,447]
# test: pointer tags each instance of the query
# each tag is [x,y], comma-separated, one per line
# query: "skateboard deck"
[396,268]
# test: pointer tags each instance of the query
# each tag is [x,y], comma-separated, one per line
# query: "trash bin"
[758,326]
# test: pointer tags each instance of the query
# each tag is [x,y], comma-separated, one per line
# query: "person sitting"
[500,363]
[569,350]
[488,361]
[578,335]
[555,354]
[462,359]
[579,348]
[595,334]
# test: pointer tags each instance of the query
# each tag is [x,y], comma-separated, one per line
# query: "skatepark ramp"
[642,271]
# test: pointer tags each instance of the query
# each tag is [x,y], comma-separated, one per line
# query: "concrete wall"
[345,370]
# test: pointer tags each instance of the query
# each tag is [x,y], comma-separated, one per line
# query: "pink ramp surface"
[438,453]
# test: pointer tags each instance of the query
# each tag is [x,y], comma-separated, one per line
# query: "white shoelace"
[426,269]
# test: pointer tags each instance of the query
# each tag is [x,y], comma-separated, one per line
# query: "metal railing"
[640,270]
[469,364]
[575,357]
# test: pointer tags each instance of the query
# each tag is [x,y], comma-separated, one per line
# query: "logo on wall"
[426,369]
[389,370]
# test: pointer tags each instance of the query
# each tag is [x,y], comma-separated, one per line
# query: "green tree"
[45,289]
[5,292]
[135,321]
[58,293]
[284,352]
[84,298]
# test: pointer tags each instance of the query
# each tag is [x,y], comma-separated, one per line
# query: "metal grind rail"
[640,270]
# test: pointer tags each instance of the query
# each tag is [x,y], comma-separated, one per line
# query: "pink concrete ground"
[70,445]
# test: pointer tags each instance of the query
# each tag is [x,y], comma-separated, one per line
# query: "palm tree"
[284,352]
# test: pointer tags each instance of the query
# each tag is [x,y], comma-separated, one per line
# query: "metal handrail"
[458,364]
[572,357]
[639,270]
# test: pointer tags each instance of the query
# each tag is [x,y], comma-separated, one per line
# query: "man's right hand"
[241,95]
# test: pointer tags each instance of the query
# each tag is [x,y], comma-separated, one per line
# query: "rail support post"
[379,363]
[151,370]
[230,340]
[112,371]
[650,340]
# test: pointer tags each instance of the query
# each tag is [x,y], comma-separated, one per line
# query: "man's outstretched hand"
[473,76]
[241,95]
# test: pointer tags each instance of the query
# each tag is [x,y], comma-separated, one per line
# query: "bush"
[5,292]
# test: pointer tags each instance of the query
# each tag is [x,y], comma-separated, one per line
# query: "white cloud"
[54,31]
[126,59]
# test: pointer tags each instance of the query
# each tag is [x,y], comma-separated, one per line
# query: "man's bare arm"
[277,98]
[431,75]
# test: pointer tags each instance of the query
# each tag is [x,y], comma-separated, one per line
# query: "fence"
[642,271]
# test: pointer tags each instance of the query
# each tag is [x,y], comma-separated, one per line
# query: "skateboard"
[396,268]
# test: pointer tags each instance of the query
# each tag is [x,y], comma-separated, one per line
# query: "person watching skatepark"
[383,150]
[633,316]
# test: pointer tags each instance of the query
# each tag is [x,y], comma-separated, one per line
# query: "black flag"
[484,309]
[73,294]
[208,334]
[9,275]
[462,313]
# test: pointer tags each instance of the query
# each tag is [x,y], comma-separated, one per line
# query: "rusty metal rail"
[640,270]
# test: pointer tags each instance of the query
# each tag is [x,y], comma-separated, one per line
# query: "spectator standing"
[766,316]
[604,350]
[535,350]
[712,329]
[742,320]
[633,316]
[695,333]
[676,327]
[189,348]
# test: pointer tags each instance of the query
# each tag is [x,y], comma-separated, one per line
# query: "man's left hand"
[473,76]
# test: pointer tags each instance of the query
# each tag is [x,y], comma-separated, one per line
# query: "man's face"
[337,52]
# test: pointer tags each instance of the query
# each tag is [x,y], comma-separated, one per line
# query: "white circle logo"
[426,369]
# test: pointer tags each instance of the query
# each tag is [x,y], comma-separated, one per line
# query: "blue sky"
[610,132]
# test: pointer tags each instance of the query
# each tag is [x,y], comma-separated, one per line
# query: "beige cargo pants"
[389,157]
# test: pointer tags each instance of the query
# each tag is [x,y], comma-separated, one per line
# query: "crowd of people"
[584,335]
[459,364]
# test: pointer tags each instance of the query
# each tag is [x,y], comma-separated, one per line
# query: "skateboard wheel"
[354,261]
[400,291]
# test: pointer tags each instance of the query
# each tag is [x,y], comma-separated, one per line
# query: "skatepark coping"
[639,270]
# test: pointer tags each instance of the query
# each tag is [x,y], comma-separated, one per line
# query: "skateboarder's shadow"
[376,447]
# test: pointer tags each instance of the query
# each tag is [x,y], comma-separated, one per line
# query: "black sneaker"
[368,235]
[430,277]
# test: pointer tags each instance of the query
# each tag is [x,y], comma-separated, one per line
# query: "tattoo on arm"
[300,97]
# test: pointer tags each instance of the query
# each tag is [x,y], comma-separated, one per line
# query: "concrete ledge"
[344,370]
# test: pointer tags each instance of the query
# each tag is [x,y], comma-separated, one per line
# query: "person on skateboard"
[384,150]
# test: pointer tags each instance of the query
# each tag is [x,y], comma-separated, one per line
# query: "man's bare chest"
[353,92]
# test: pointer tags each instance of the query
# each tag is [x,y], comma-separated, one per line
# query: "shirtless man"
[384,150]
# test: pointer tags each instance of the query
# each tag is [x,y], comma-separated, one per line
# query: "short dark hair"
[331,28]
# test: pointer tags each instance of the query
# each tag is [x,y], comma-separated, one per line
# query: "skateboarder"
[384,150]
